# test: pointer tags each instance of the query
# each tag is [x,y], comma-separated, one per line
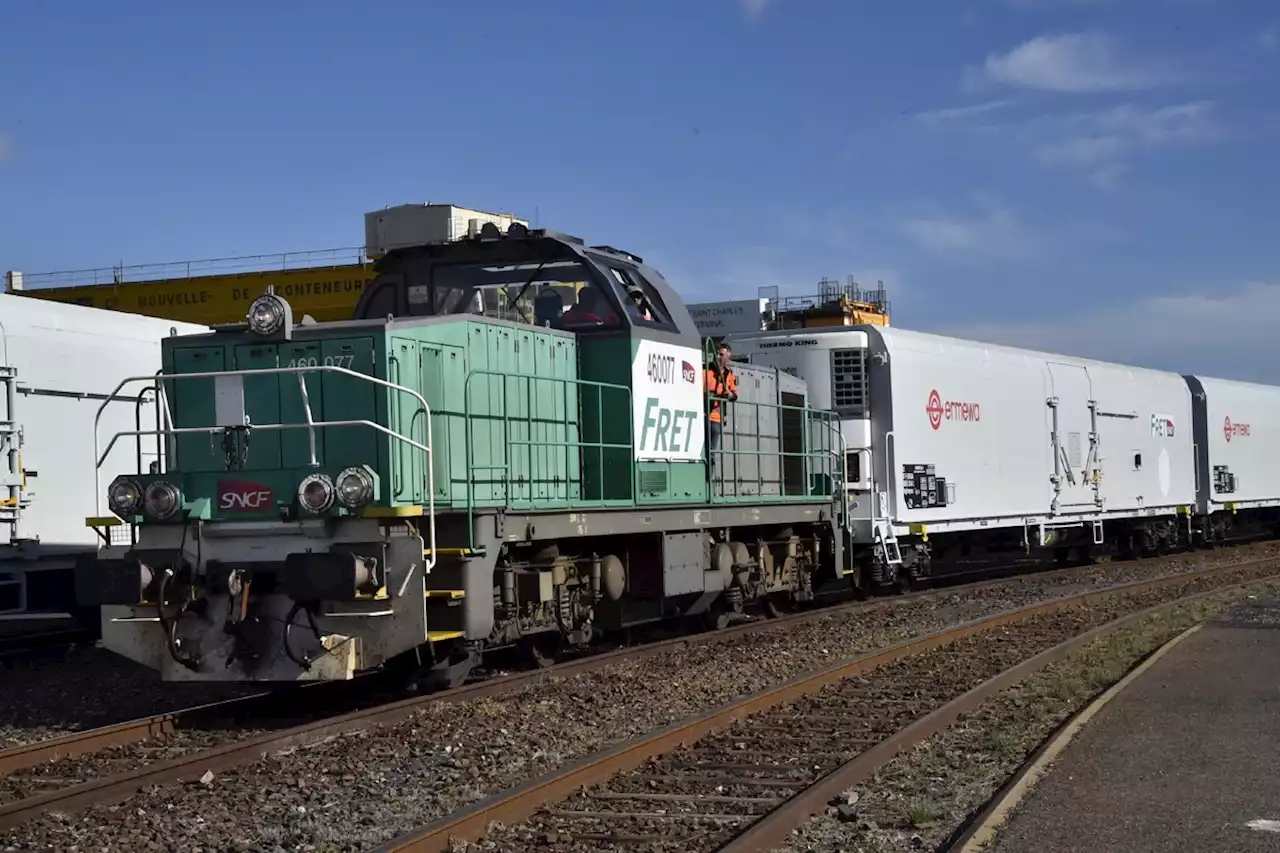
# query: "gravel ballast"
[47,696]
[922,798]
[353,791]
[116,689]
[53,695]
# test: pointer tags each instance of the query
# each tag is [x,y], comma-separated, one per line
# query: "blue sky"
[1088,176]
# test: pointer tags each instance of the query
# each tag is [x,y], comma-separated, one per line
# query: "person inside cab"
[722,387]
[590,309]
[548,307]
[639,304]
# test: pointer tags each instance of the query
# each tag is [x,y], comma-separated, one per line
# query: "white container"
[960,435]
[62,362]
[1235,433]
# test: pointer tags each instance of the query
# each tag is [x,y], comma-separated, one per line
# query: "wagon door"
[1072,439]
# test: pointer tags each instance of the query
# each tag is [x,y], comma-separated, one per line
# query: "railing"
[170,432]
[135,273]
[829,464]
[573,447]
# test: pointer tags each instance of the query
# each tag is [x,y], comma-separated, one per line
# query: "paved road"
[1185,758]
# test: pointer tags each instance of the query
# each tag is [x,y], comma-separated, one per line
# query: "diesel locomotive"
[506,447]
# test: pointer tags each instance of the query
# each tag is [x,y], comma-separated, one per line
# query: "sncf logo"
[1230,429]
[686,370]
[940,410]
[237,496]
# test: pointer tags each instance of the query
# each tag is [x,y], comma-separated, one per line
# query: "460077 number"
[328,361]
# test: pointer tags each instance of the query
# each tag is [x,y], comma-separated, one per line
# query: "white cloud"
[1101,143]
[1225,332]
[997,234]
[949,114]
[6,147]
[1081,62]
[753,8]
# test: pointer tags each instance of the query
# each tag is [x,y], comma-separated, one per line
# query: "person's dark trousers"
[713,441]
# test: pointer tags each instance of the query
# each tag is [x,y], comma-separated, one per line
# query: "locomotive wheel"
[777,605]
[543,649]
[716,617]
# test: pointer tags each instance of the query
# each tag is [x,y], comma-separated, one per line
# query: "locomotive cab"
[638,350]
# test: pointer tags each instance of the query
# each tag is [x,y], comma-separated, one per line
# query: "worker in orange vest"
[722,386]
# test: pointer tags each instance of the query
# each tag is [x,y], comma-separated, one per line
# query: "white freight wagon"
[948,436]
[1239,466]
[58,363]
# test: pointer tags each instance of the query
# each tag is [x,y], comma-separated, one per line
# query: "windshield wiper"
[527,285]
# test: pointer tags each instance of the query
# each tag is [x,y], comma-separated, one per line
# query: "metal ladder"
[887,543]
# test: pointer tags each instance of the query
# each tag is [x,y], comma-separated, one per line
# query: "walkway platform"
[1185,758]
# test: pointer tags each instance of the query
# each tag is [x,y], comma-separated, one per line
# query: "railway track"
[742,777]
[250,718]
[23,644]
[45,788]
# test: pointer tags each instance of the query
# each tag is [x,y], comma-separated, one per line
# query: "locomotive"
[468,464]
[506,448]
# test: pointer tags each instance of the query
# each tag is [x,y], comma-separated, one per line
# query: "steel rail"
[775,828]
[16,759]
[18,644]
[520,803]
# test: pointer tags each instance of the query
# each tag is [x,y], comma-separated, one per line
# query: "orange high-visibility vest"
[720,388]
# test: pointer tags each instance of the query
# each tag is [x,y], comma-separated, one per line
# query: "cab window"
[384,297]
[639,298]
[558,294]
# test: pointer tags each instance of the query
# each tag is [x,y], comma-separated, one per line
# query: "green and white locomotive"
[506,446]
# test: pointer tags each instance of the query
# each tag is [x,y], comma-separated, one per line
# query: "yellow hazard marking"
[437,636]
[392,511]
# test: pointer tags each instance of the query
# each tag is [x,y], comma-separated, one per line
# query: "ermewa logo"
[686,369]
[239,496]
[1238,429]
[949,410]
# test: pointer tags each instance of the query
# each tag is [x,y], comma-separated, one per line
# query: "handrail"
[169,430]
[167,271]
[810,417]
[891,483]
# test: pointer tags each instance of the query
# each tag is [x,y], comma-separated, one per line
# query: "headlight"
[266,314]
[125,497]
[355,488]
[162,500]
[315,493]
